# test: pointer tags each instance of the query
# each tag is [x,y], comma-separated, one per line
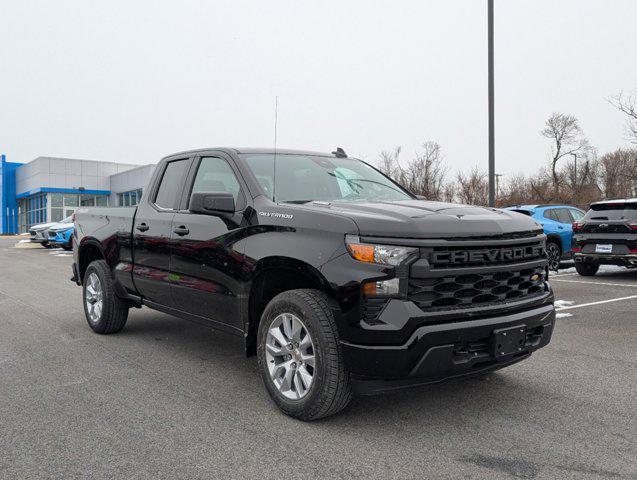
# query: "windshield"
[303,178]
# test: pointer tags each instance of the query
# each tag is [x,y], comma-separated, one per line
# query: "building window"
[129,199]
[32,210]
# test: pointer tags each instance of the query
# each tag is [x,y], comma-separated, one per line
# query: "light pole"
[497,185]
[491,109]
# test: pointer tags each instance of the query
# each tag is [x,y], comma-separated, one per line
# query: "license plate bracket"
[507,341]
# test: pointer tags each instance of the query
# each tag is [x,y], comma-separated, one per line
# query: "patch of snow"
[563,315]
[563,303]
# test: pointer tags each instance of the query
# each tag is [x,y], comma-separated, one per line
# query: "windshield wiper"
[354,185]
[299,202]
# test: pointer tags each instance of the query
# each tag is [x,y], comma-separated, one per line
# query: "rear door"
[564,228]
[152,231]
[206,263]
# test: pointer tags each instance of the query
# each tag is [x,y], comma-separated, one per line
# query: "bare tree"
[423,175]
[567,138]
[618,173]
[473,187]
[389,161]
[628,106]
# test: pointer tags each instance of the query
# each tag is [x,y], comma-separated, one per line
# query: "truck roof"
[256,150]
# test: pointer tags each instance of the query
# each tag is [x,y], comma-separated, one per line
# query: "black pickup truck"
[338,279]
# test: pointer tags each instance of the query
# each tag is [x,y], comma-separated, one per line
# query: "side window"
[171,185]
[550,214]
[563,216]
[215,175]
[576,214]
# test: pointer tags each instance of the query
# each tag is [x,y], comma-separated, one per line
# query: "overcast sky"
[132,81]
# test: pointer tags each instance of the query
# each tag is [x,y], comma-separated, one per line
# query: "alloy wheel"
[94,298]
[289,353]
[554,254]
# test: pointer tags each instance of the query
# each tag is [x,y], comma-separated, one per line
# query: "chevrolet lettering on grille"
[492,255]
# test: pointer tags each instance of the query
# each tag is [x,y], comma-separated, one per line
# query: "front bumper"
[439,352]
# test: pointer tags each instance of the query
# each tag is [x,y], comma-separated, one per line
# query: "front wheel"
[554,253]
[69,246]
[587,269]
[300,357]
[105,312]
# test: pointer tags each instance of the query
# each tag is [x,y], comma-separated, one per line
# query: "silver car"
[40,233]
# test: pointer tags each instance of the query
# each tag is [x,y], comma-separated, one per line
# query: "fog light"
[385,287]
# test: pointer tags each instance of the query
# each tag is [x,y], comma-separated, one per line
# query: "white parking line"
[597,283]
[561,275]
[595,303]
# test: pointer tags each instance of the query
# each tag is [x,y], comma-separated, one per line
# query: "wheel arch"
[272,276]
[555,238]
[89,251]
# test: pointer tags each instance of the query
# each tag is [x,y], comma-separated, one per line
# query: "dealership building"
[49,189]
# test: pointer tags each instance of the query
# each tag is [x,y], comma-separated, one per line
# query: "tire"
[587,269]
[111,314]
[329,390]
[69,246]
[554,253]
[45,245]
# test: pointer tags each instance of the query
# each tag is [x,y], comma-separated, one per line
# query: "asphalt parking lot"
[166,398]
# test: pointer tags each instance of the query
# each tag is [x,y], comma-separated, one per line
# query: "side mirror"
[421,197]
[211,203]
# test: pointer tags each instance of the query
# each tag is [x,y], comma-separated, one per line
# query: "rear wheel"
[105,312]
[587,269]
[554,253]
[299,356]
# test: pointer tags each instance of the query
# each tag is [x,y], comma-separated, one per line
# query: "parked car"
[40,234]
[337,278]
[61,234]
[607,235]
[557,222]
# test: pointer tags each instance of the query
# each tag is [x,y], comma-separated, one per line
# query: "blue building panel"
[8,197]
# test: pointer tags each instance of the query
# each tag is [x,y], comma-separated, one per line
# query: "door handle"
[181,231]
[142,227]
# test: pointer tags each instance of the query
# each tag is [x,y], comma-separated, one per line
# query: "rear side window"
[562,215]
[576,214]
[172,182]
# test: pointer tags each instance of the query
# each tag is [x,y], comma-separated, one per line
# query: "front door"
[206,267]
[152,231]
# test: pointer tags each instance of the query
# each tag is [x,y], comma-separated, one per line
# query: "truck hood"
[424,219]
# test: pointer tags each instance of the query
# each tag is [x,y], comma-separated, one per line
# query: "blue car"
[557,221]
[62,236]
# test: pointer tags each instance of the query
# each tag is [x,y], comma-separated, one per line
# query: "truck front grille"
[476,289]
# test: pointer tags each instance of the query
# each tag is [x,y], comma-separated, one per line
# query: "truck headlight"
[380,254]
